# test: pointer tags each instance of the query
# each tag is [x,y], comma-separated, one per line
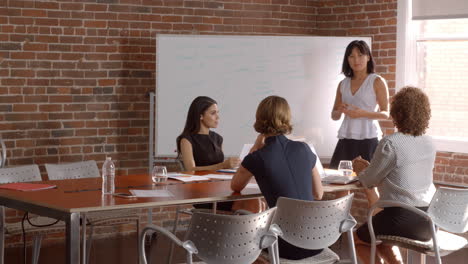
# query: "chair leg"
[36,248]
[90,242]
[352,249]
[174,230]
[152,248]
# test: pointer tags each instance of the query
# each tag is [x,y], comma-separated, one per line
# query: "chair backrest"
[229,239]
[312,224]
[3,154]
[74,170]
[20,174]
[449,209]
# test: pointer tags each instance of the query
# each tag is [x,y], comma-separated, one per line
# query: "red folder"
[26,187]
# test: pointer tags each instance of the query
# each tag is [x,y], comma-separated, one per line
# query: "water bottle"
[108,176]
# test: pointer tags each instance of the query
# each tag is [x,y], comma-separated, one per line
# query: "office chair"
[89,169]
[448,210]
[28,173]
[314,225]
[221,239]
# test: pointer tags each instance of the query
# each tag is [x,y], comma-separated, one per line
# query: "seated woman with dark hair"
[281,167]
[199,147]
[401,169]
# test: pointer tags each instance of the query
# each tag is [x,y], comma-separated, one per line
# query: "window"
[435,57]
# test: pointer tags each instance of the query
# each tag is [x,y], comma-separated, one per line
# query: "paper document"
[339,179]
[318,164]
[330,172]
[245,151]
[152,193]
[219,176]
[188,178]
[252,186]
[176,174]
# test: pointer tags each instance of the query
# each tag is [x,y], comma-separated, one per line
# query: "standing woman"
[363,99]
[198,146]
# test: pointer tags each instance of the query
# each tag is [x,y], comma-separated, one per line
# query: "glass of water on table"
[346,167]
[159,174]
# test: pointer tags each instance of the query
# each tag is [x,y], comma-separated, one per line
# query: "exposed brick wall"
[74,75]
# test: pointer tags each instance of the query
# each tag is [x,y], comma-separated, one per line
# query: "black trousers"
[397,221]
[348,149]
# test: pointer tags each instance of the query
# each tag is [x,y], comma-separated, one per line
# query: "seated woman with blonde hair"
[282,167]
[401,169]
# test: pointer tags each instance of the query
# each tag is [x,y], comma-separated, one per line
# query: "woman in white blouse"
[401,169]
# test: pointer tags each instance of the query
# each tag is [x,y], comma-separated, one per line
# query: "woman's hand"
[231,163]
[359,164]
[354,112]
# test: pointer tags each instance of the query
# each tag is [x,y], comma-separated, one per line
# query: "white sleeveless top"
[365,98]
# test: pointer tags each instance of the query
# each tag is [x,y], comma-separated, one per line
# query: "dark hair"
[273,116]
[364,49]
[411,111]
[192,124]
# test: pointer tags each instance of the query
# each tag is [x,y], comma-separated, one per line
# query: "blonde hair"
[273,116]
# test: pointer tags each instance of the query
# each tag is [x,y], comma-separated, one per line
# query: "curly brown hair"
[273,116]
[411,111]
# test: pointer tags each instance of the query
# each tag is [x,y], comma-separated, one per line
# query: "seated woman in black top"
[281,167]
[199,147]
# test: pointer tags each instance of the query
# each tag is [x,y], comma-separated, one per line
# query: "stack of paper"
[187,177]
[151,193]
[219,176]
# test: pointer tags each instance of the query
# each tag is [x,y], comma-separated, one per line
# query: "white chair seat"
[448,243]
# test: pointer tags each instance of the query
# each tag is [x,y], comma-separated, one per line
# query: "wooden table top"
[84,195]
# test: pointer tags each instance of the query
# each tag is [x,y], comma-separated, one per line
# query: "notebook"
[336,177]
[26,187]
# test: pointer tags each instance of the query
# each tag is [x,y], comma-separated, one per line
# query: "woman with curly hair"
[401,169]
[282,167]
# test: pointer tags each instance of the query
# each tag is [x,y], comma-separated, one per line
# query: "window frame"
[406,65]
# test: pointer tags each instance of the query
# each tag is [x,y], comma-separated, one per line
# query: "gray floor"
[123,250]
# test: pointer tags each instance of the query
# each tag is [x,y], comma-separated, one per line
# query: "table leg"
[73,238]
[2,234]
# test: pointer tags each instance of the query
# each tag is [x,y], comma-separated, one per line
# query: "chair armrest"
[186,244]
[348,224]
[385,203]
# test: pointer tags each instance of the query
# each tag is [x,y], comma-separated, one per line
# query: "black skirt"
[397,221]
[348,149]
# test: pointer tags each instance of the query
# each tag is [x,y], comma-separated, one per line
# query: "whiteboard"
[238,72]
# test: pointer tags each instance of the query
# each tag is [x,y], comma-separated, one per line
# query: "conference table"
[72,199]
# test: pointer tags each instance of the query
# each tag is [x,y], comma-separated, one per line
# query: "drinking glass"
[159,174]
[346,167]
